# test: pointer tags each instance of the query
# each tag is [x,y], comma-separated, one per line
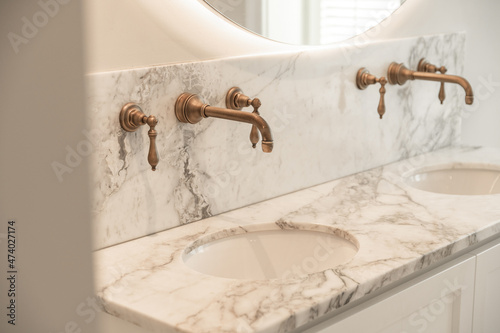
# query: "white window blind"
[341,19]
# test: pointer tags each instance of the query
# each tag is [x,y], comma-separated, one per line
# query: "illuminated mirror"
[310,22]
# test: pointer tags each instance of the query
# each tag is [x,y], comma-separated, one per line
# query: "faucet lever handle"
[153,153]
[442,94]
[425,66]
[131,118]
[236,100]
[254,132]
[364,79]
[381,103]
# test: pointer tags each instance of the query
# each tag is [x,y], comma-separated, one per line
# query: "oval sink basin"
[270,254]
[458,180]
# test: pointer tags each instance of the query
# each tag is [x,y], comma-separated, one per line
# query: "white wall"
[42,113]
[127,34]
[182,31]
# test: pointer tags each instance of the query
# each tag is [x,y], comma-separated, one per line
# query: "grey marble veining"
[323,126]
[400,230]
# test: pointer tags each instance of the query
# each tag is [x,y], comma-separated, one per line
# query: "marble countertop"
[400,230]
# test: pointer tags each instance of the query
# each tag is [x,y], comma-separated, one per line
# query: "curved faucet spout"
[399,74]
[469,95]
[189,108]
[245,117]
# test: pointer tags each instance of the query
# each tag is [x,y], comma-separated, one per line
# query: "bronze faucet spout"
[469,95]
[399,74]
[189,108]
[244,117]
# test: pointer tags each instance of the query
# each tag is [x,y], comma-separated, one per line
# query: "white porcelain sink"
[270,253]
[458,179]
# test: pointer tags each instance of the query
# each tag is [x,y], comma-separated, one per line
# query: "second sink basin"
[270,253]
[459,179]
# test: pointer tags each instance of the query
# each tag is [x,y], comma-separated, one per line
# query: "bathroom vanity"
[424,261]
[225,238]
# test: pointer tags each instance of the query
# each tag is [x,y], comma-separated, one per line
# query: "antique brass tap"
[425,66]
[190,108]
[399,74]
[236,100]
[131,118]
[364,79]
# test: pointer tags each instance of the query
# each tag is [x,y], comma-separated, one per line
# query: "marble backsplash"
[323,128]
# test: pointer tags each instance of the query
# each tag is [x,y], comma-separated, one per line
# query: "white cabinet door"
[487,298]
[440,301]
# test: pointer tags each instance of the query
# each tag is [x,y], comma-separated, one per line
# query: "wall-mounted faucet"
[425,66]
[399,74]
[364,79]
[131,118]
[190,108]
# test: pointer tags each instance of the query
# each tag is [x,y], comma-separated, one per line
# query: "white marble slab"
[323,127]
[400,230]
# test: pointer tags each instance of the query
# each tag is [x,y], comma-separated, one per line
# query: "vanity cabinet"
[439,301]
[487,293]
[460,296]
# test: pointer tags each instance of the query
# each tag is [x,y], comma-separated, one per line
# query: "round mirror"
[310,22]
